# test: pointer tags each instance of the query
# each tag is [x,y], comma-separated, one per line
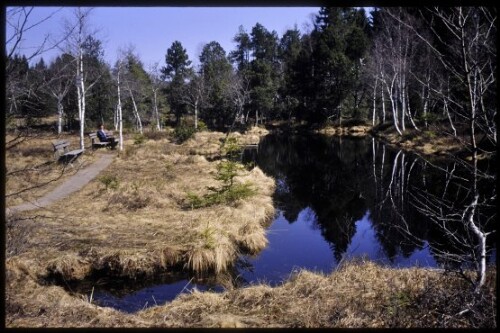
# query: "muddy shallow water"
[337,199]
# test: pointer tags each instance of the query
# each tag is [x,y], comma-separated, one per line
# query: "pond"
[340,198]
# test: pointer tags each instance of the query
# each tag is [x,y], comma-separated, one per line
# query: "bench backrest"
[60,145]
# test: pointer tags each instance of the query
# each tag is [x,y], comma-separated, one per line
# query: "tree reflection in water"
[415,207]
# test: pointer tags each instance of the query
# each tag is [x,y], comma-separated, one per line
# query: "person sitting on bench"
[104,137]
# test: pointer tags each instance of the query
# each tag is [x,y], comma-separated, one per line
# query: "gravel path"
[74,183]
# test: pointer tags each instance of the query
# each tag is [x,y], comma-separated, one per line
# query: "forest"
[409,68]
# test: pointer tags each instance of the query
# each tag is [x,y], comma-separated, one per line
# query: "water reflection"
[340,198]
[414,204]
[150,296]
[292,245]
[365,244]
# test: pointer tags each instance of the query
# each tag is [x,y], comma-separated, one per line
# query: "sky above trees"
[152,30]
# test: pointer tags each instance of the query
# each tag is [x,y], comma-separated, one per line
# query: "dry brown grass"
[358,130]
[435,142]
[32,165]
[358,295]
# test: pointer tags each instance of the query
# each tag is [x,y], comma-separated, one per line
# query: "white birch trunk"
[390,92]
[119,107]
[374,102]
[60,113]
[425,102]
[383,101]
[157,114]
[136,111]
[80,88]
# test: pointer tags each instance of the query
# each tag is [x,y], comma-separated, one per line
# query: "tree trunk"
[374,102]
[449,117]
[81,97]
[119,107]
[383,101]
[156,114]
[390,92]
[136,111]
[60,113]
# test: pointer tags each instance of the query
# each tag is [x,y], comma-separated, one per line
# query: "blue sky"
[152,30]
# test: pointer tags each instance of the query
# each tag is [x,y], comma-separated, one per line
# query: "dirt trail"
[74,183]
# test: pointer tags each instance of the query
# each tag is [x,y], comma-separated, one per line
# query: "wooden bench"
[96,143]
[63,154]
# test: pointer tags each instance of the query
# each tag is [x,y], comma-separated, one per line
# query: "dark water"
[342,198]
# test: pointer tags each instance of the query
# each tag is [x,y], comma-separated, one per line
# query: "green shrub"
[231,148]
[183,133]
[238,191]
[202,126]
[208,236]
[228,193]
[195,201]
[109,182]
[429,117]
[429,134]
[226,171]
[139,138]
[409,135]
[220,196]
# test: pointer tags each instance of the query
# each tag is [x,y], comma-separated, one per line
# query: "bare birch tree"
[395,52]
[75,45]
[119,113]
[195,93]
[136,82]
[464,45]
[58,83]
[20,22]
[156,85]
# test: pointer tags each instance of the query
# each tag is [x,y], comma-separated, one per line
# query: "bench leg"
[69,160]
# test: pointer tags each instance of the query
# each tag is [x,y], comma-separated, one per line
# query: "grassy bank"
[357,295]
[435,141]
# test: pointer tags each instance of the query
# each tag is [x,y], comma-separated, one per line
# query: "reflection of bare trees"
[413,203]
[449,204]
[392,174]
[463,214]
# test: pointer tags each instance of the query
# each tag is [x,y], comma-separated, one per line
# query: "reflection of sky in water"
[365,244]
[300,245]
[291,246]
[154,295]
